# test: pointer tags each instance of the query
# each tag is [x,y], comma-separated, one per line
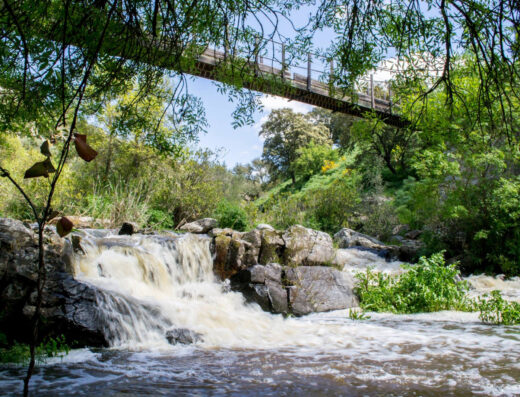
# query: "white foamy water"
[358,260]
[482,284]
[151,284]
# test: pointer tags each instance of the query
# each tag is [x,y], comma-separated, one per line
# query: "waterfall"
[149,284]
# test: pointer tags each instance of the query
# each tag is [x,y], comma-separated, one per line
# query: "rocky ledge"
[296,290]
[69,307]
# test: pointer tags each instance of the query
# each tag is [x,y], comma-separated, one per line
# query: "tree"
[339,124]
[285,132]
[428,39]
[393,145]
[56,73]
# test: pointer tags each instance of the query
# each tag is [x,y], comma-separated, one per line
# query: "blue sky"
[239,145]
[242,145]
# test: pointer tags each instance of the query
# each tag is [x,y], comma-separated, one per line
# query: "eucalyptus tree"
[285,132]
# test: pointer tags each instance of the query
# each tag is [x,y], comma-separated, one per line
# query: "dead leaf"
[45,149]
[64,226]
[83,148]
[41,168]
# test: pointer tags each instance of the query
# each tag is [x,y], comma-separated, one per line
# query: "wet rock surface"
[299,291]
[182,336]
[68,307]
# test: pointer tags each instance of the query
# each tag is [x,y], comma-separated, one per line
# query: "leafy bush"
[426,287]
[329,209]
[496,310]
[20,353]
[312,158]
[231,215]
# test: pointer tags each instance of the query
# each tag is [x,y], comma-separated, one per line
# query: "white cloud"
[271,103]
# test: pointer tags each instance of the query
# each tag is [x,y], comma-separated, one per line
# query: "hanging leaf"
[83,148]
[64,226]
[45,149]
[41,168]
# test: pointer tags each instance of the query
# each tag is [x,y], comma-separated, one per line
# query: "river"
[154,283]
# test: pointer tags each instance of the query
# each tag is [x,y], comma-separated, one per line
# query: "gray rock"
[272,247]
[200,226]
[69,306]
[257,274]
[304,246]
[183,336]
[273,272]
[319,289]
[277,297]
[413,234]
[347,238]
[264,226]
[14,234]
[218,232]
[409,250]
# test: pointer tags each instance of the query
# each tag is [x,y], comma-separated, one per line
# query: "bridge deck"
[299,88]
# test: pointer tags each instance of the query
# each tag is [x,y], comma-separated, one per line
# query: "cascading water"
[150,284]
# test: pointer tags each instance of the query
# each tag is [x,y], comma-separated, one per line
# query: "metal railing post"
[257,50]
[390,97]
[331,79]
[309,82]
[372,99]
[284,66]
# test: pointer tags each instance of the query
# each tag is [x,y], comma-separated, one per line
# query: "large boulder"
[318,289]
[69,307]
[347,238]
[298,291]
[14,234]
[263,285]
[272,247]
[200,226]
[232,254]
[308,247]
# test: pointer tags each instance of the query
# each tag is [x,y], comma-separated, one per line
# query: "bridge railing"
[310,71]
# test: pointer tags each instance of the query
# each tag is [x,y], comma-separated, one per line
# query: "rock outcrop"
[299,291]
[68,307]
[183,336]
[307,247]
[407,250]
[347,238]
[200,226]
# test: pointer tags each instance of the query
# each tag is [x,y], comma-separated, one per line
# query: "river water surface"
[151,284]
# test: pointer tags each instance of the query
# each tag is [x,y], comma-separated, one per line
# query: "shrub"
[426,287]
[231,215]
[20,353]
[329,208]
[314,158]
[496,310]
